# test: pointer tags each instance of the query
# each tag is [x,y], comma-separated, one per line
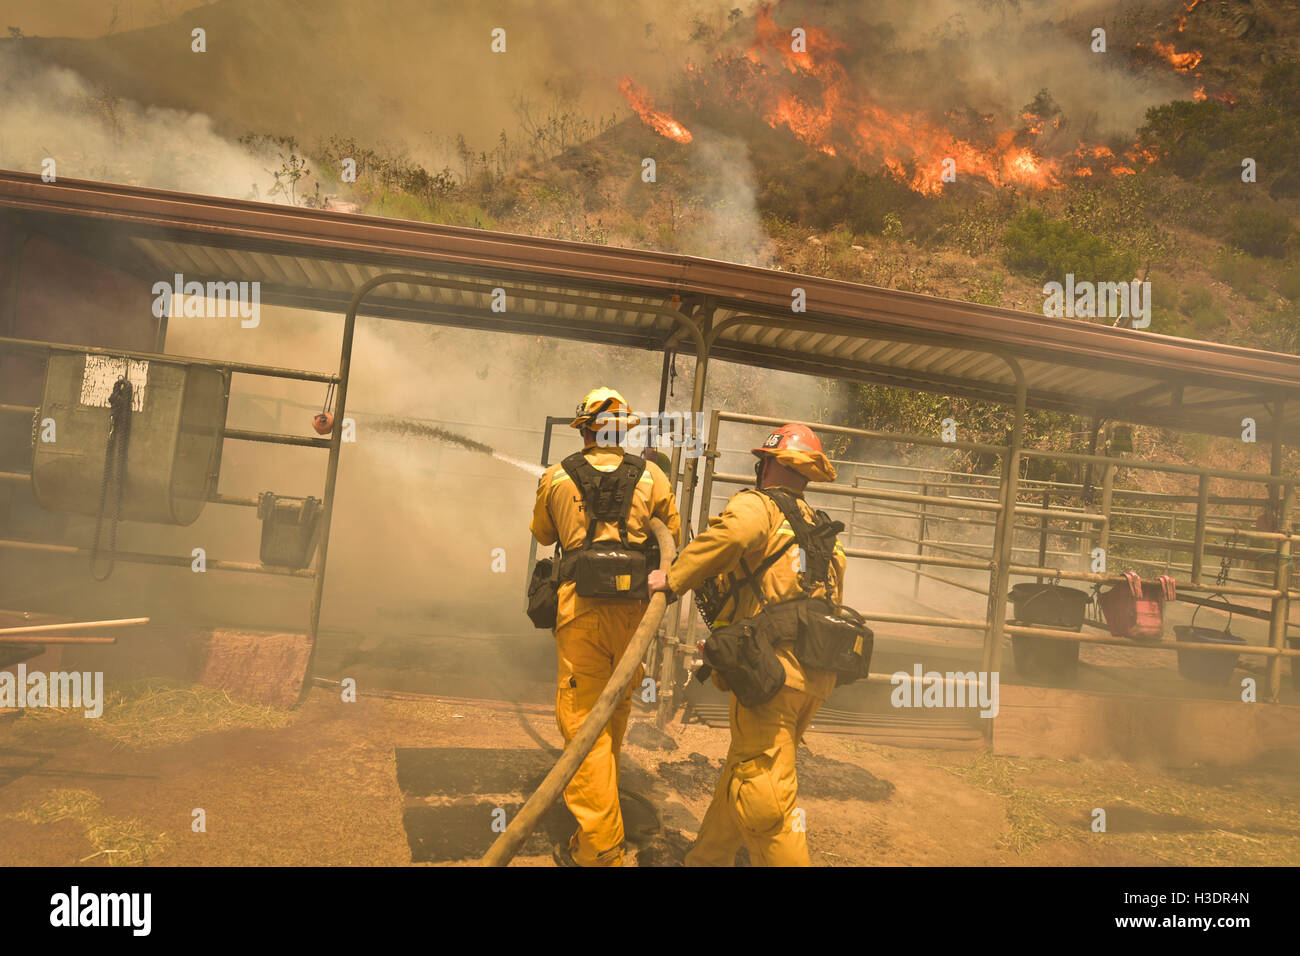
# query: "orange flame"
[1182,62]
[662,123]
[811,94]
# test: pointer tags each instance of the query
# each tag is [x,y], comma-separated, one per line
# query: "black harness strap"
[817,540]
[607,495]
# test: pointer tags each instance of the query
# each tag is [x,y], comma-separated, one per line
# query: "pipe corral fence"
[310,259]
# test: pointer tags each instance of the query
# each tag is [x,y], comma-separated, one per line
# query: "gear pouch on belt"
[543,594]
[834,639]
[744,655]
[610,572]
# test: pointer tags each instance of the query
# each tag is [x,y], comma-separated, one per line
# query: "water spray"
[408,428]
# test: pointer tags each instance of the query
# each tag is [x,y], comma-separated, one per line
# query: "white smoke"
[51,113]
[724,181]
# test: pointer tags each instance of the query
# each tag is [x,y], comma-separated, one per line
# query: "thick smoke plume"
[50,112]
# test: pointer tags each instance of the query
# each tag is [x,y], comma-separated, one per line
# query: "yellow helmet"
[599,406]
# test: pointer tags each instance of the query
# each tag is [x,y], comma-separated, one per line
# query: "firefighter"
[756,796]
[599,495]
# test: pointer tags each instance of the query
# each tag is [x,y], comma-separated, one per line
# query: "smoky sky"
[415,75]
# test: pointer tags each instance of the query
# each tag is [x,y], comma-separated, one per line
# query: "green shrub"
[1210,139]
[1193,299]
[1037,246]
[1198,305]
[1277,331]
[988,291]
[1262,232]
[1243,272]
[1280,85]
[1167,322]
[1289,283]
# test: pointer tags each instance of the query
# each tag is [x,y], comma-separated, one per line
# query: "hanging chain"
[1226,564]
[119,436]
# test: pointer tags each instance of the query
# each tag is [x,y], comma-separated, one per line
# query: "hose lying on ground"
[508,843]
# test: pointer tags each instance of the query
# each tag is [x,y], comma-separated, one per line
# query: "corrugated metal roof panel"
[316,259]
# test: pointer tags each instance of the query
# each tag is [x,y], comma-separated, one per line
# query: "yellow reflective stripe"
[784,531]
[559,478]
[646,476]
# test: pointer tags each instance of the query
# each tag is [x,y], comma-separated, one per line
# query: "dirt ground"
[387,782]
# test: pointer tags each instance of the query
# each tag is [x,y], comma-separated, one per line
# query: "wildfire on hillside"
[659,121]
[807,90]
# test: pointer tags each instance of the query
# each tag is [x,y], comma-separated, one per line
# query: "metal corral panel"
[174,437]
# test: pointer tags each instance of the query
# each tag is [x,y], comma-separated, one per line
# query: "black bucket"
[1047,605]
[1050,605]
[1213,669]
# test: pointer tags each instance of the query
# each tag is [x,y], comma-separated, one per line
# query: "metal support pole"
[1042,531]
[1001,576]
[332,473]
[1281,604]
[668,669]
[1107,495]
[853,505]
[920,540]
[1275,457]
[1094,429]
[1198,537]
[1173,533]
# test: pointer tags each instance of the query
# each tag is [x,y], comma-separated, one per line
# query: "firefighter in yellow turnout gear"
[591,633]
[757,793]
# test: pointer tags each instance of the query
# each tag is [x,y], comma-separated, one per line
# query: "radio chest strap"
[817,541]
[606,495]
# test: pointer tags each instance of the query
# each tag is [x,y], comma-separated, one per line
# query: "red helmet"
[795,437]
[798,448]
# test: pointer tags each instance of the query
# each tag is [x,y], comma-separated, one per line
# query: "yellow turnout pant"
[758,791]
[589,648]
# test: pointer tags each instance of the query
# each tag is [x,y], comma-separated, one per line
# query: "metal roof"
[316,259]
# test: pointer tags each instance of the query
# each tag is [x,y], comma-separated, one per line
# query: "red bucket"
[1136,609]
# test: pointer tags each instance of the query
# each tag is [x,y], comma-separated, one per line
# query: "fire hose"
[530,814]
